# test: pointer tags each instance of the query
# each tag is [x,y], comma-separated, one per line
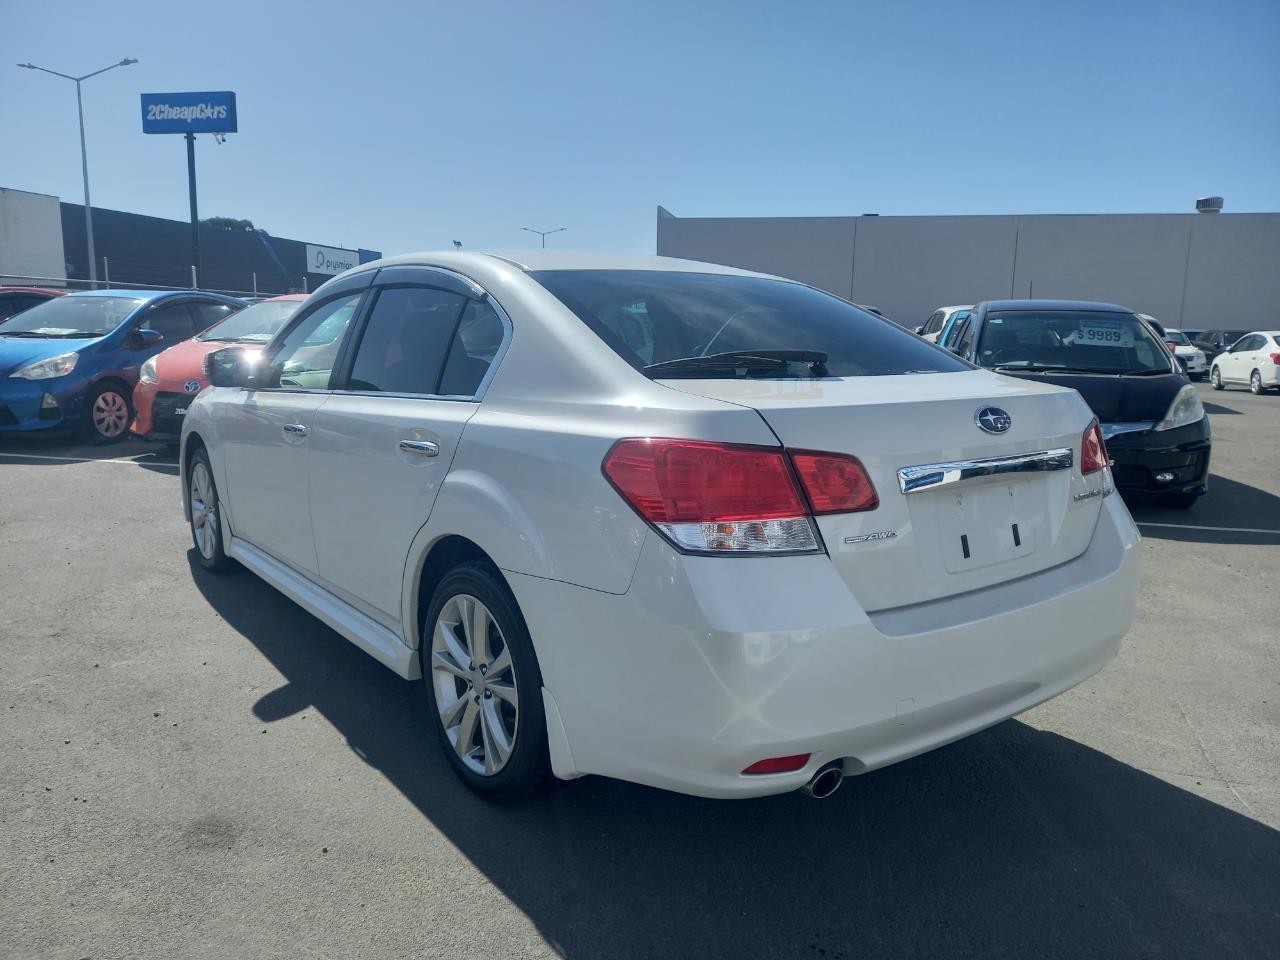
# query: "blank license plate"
[981,526]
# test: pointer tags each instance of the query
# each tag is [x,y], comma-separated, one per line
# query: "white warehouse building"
[1193,270]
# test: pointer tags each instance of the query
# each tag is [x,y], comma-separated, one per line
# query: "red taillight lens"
[1093,451]
[713,497]
[693,481]
[834,482]
[1275,358]
[778,765]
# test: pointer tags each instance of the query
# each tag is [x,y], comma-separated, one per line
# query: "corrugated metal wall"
[1193,270]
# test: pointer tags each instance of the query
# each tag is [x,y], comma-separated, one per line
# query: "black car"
[1214,342]
[1152,420]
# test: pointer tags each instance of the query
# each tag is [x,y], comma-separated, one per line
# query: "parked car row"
[671,522]
[1124,366]
[107,362]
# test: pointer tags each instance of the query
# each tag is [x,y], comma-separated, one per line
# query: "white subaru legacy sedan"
[664,521]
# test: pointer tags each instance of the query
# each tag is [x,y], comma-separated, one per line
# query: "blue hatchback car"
[73,361]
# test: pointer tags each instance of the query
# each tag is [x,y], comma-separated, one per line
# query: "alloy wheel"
[110,414]
[475,684]
[1255,383]
[1215,379]
[204,511]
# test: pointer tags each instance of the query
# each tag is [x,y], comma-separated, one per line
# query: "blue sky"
[405,125]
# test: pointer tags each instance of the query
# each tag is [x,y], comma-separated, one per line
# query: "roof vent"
[1209,205]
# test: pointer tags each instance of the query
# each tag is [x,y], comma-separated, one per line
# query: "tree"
[228,223]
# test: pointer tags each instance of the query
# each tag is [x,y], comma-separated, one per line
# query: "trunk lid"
[947,538]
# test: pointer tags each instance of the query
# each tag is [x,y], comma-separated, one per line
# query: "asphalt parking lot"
[191,766]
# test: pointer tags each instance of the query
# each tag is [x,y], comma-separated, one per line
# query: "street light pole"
[84,153]
[543,233]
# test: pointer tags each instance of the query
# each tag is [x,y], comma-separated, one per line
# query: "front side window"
[406,340]
[934,323]
[651,318]
[1087,341]
[305,358]
[172,321]
[72,317]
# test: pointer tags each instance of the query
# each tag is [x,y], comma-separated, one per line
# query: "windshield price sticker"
[1105,333]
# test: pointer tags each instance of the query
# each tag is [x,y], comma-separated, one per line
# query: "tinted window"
[86,316]
[1177,338]
[1253,343]
[956,330]
[207,314]
[966,337]
[405,341]
[1087,340]
[172,320]
[1277,340]
[306,356]
[650,317]
[257,323]
[934,323]
[474,347]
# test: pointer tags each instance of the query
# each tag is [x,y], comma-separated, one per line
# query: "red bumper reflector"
[778,765]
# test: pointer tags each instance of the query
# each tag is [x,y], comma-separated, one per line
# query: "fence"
[112,278]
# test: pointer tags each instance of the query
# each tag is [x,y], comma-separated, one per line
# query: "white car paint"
[1256,352]
[1192,357]
[932,328]
[662,667]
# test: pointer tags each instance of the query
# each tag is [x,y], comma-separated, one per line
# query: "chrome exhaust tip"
[826,781]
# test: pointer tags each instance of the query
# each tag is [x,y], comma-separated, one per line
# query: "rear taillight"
[726,498]
[1093,451]
[1275,358]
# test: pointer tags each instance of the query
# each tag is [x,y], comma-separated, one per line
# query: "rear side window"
[1276,339]
[651,317]
[934,323]
[406,341]
[473,349]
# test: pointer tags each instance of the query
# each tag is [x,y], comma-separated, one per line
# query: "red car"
[14,300]
[168,381]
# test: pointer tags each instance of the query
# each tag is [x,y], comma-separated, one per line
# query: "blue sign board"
[189,112]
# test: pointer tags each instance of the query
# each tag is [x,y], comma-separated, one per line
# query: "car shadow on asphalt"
[1012,843]
[1230,510]
[61,448]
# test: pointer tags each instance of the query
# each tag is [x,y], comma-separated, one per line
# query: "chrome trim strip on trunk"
[931,475]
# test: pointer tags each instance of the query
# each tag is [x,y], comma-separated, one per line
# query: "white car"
[1253,359]
[938,322]
[1191,357]
[664,521]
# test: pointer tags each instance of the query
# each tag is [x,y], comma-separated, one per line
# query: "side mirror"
[231,367]
[142,339]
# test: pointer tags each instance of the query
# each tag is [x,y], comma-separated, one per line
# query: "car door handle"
[296,429]
[424,448]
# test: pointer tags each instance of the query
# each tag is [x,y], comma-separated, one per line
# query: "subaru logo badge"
[993,420]
[191,386]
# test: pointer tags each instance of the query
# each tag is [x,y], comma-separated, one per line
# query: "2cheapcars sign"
[189,112]
[330,260]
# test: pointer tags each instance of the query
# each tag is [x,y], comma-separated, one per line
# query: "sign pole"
[195,216]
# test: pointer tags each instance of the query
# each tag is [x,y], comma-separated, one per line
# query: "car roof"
[958,306]
[533,260]
[1056,305]
[152,294]
[286,296]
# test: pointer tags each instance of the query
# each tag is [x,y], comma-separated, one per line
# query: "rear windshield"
[1177,338]
[1073,340]
[652,316]
[1276,338]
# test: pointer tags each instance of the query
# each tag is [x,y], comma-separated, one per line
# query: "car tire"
[1178,501]
[1255,384]
[1215,378]
[108,411]
[206,517]
[488,716]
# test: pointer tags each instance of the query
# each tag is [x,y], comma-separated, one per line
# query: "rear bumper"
[707,665]
[1141,457]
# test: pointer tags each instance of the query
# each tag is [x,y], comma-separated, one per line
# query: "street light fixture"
[544,233]
[84,156]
